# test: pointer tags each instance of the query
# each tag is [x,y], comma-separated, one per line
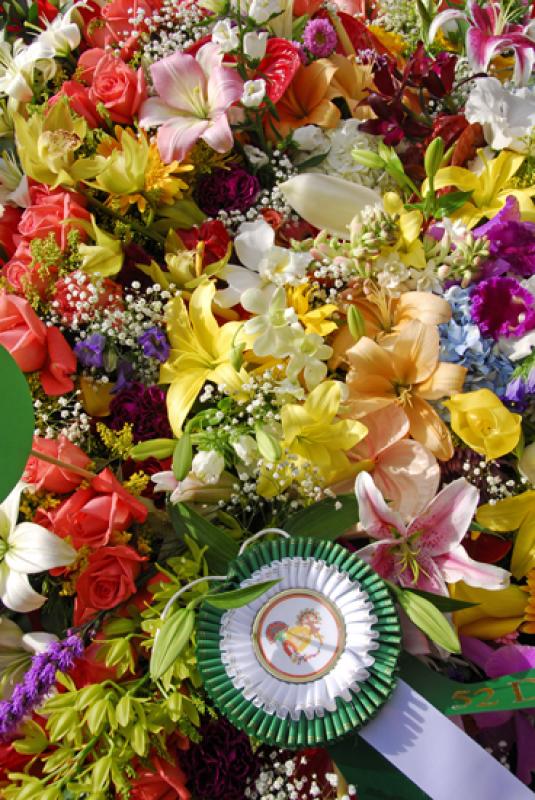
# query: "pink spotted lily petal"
[458,566]
[445,521]
[377,519]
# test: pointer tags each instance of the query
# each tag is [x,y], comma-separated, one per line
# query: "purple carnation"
[38,682]
[502,307]
[144,408]
[154,344]
[232,189]
[222,765]
[90,351]
[320,38]
[512,243]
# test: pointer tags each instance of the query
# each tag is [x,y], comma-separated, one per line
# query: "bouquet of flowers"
[268,267]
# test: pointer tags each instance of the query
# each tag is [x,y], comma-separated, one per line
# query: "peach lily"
[407,374]
[404,471]
[306,102]
[384,316]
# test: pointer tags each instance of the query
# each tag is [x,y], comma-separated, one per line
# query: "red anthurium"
[278,67]
[487,548]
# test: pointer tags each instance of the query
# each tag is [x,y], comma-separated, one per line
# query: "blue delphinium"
[461,342]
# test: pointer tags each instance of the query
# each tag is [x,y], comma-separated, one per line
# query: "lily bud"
[433,157]
[355,323]
[327,202]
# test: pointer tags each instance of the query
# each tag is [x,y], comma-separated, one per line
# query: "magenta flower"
[425,553]
[320,37]
[194,96]
[490,33]
[502,307]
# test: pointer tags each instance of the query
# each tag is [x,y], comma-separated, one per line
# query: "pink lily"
[491,33]
[427,552]
[194,95]
[404,470]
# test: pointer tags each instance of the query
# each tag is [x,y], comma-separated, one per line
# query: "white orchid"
[61,35]
[265,264]
[17,66]
[506,115]
[13,182]
[309,355]
[26,549]
[16,650]
[274,325]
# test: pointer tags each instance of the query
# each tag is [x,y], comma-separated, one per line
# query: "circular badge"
[311,659]
[298,635]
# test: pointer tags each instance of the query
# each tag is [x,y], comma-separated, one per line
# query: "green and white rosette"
[311,659]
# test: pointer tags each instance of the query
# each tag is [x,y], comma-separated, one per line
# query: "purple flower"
[320,38]
[125,376]
[154,344]
[512,243]
[144,408]
[502,307]
[221,766]
[90,352]
[516,390]
[232,189]
[37,683]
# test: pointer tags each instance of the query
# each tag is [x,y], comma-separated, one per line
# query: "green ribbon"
[453,698]
[16,423]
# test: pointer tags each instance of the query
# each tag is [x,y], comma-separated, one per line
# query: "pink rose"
[22,274]
[90,516]
[79,101]
[34,346]
[119,88]
[22,333]
[118,26]
[48,214]
[50,477]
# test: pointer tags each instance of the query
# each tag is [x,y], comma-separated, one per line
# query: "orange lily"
[353,82]
[409,374]
[306,102]
[384,316]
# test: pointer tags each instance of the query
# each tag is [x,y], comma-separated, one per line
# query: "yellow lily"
[514,513]
[409,245]
[496,614]
[105,256]
[489,190]
[200,351]
[47,146]
[313,432]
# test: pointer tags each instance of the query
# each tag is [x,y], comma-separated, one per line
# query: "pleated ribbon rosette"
[314,657]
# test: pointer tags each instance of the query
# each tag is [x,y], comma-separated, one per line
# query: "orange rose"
[110,579]
[50,477]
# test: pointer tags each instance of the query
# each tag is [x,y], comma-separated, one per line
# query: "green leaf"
[16,423]
[221,547]
[429,619]
[327,519]
[171,640]
[153,448]
[311,162]
[182,457]
[239,597]
[267,444]
[443,604]
[368,159]
[448,203]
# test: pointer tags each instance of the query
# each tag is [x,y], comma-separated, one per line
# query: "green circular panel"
[16,423]
[325,726]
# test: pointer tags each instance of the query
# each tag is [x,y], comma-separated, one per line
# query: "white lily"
[13,182]
[265,264]
[61,35]
[26,549]
[16,650]
[274,325]
[327,202]
[17,65]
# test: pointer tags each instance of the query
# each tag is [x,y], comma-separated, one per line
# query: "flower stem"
[63,464]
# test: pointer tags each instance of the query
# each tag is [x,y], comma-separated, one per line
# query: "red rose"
[50,477]
[79,101]
[214,235]
[48,214]
[166,782]
[90,516]
[11,761]
[112,24]
[118,87]
[59,366]
[109,579]
[9,222]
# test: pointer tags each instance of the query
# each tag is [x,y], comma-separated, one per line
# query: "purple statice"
[320,38]
[38,683]
[154,344]
[512,243]
[232,189]
[502,307]
[90,351]
[144,408]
